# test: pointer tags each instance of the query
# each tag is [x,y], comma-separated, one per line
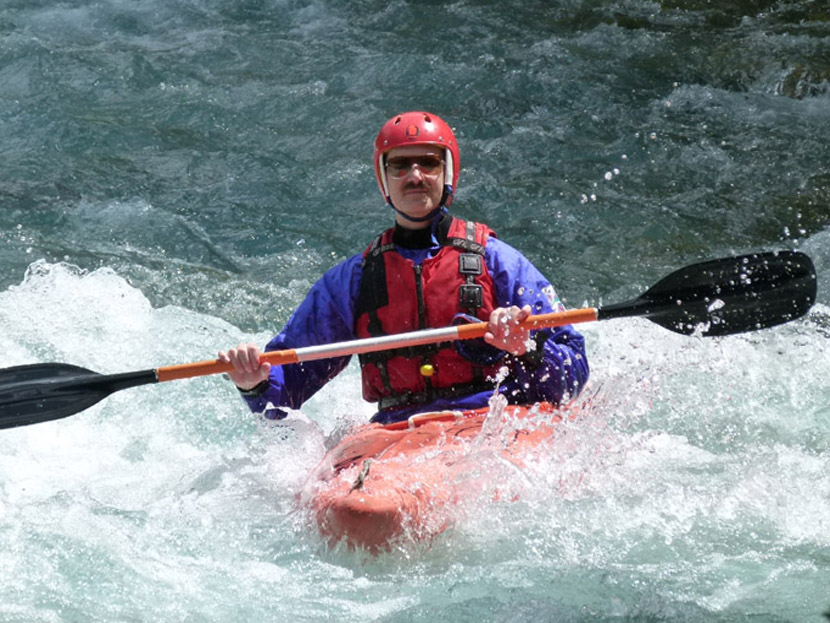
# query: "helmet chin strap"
[419,219]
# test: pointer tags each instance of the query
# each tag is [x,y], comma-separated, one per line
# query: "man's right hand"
[248,370]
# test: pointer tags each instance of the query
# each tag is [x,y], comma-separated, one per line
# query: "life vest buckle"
[469,264]
[471,295]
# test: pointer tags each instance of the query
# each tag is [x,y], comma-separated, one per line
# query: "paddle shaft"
[375,344]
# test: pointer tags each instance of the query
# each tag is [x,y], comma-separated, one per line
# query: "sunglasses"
[428,164]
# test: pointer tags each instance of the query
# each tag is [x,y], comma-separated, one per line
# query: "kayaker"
[429,270]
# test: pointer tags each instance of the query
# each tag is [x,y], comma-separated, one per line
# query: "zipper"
[419,289]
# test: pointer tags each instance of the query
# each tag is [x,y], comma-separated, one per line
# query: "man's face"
[415,175]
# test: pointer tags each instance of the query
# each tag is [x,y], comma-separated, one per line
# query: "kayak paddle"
[718,297]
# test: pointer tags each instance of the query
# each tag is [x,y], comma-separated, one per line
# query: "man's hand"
[504,331]
[248,370]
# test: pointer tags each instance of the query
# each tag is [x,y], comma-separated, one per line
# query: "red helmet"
[418,128]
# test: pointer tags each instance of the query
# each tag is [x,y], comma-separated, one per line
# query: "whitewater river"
[177,173]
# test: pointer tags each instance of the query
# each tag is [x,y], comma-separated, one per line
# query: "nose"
[415,171]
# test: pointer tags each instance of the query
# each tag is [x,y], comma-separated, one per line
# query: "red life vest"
[397,296]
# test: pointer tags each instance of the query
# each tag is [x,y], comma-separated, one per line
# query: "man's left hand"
[505,332]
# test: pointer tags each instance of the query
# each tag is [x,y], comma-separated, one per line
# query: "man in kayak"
[429,270]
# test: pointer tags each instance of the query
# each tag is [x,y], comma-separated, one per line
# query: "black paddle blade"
[726,296]
[49,391]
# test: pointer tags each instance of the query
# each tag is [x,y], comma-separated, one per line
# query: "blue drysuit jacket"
[327,315]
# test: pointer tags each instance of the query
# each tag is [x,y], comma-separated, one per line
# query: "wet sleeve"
[558,370]
[325,316]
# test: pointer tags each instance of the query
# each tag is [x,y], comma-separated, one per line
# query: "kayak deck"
[408,480]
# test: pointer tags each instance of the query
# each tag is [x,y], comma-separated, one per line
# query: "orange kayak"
[382,484]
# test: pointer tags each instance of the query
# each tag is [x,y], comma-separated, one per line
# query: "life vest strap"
[435,393]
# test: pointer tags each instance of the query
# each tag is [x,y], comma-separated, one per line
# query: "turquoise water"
[176,174]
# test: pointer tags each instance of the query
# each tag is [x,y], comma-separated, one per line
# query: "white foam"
[687,448]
